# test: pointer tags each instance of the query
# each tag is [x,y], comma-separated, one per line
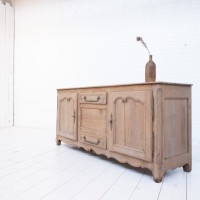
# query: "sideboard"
[146,125]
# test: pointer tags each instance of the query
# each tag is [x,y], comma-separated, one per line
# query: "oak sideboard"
[146,125]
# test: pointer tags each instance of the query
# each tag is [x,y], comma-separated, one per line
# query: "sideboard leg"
[158,180]
[158,176]
[187,167]
[58,142]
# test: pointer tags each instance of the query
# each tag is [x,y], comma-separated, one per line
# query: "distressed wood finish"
[146,125]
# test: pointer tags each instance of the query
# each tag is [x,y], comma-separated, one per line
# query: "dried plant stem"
[144,44]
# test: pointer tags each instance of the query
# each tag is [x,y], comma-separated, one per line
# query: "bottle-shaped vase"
[150,70]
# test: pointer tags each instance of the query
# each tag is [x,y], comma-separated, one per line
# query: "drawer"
[93,98]
[93,140]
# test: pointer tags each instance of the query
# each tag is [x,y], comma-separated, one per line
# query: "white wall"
[6,64]
[69,43]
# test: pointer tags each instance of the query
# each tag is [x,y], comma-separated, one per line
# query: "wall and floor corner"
[6,64]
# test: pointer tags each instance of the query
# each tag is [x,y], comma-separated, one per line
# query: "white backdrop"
[92,42]
[6,64]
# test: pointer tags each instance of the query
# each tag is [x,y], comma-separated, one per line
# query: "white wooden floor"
[33,167]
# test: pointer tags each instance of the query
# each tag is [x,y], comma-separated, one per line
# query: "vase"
[150,70]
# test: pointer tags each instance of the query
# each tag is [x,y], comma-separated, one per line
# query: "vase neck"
[150,57]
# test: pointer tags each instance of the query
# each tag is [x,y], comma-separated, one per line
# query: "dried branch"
[144,44]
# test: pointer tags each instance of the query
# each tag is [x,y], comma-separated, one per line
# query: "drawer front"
[93,98]
[93,140]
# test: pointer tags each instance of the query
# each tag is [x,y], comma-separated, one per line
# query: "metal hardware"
[90,141]
[92,100]
[74,116]
[111,122]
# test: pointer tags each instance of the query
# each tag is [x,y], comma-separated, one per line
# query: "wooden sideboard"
[146,125]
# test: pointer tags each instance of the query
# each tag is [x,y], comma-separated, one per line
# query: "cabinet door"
[130,121]
[92,125]
[67,115]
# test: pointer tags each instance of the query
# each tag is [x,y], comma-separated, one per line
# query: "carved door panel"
[130,121]
[67,115]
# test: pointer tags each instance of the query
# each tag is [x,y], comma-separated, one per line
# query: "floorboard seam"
[112,184]
[161,188]
[132,194]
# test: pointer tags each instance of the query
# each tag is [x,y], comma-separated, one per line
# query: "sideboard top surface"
[130,84]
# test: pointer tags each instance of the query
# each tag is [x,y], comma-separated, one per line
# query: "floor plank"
[48,185]
[174,185]
[97,188]
[80,182]
[125,185]
[146,188]
[34,175]
[193,186]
